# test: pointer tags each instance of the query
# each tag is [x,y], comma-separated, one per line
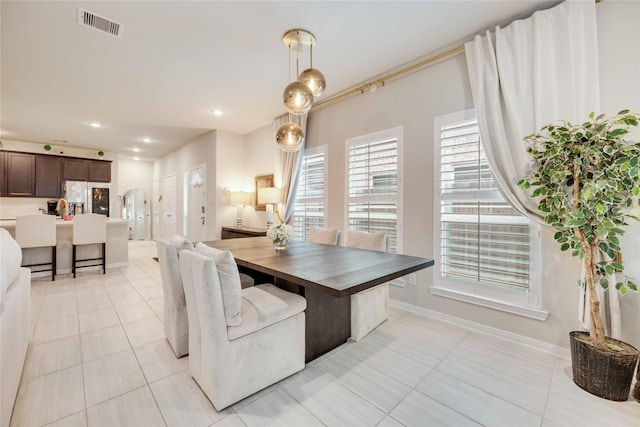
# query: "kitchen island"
[117,246]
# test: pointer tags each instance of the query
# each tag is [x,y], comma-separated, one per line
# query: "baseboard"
[61,271]
[543,346]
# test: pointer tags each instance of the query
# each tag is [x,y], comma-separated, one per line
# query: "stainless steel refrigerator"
[89,197]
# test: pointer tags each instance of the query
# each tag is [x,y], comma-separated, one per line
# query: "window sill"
[520,310]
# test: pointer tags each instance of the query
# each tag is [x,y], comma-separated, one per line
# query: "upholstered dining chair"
[36,231]
[326,236]
[176,322]
[370,307]
[266,343]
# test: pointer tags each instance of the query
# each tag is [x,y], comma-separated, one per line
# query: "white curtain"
[535,71]
[288,166]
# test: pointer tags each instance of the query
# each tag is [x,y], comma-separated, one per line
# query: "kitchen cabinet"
[74,169]
[48,176]
[99,171]
[20,169]
[43,175]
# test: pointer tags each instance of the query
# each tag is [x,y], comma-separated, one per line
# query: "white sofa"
[15,322]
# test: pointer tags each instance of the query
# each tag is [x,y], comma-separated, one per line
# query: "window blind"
[482,238]
[373,188]
[309,210]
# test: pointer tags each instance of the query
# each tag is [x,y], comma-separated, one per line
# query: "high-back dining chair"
[36,231]
[369,308]
[176,322]
[267,344]
[326,236]
[89,229]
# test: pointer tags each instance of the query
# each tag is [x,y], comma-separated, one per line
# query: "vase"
[280,245]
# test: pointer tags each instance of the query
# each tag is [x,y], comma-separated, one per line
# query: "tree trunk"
[596,328]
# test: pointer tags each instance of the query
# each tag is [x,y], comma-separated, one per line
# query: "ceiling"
[177,61]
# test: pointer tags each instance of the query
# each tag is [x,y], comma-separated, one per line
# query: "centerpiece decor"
[585,179]
[279,235]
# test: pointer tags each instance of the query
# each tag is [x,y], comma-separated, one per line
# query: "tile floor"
[98,357]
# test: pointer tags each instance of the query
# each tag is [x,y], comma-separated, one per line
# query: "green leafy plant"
[587,177]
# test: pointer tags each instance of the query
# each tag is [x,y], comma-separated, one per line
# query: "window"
[485,250]
[310,207]
[374,184]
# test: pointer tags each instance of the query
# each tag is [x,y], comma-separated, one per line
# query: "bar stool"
[38,231]
[89,229]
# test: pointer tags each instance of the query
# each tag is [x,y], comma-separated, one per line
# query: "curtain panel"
[534,72]
[288,166]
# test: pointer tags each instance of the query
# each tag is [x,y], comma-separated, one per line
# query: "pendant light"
[289,137]
[298,95]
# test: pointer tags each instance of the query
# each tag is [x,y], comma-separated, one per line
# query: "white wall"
[200,151]
[413,102]
[230,164]
[260,158]
[134,174]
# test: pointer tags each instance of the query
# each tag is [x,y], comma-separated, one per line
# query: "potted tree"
[586,177]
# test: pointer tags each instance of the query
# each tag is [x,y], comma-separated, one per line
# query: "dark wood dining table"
[325,275]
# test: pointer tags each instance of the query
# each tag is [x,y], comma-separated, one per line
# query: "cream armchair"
[176,322]
[369,308]
[233,362]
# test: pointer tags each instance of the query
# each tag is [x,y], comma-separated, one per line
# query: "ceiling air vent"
[100,23]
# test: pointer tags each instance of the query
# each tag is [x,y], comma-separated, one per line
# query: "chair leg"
[73,261]
[53,263]
[104,258]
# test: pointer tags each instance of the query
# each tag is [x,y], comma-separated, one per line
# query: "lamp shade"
[239,198]
[269,195]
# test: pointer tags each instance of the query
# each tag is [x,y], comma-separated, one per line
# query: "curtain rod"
[382,80]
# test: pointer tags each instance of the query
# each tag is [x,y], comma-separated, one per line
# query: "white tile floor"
[98,357]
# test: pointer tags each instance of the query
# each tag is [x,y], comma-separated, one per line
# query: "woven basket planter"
[604,373]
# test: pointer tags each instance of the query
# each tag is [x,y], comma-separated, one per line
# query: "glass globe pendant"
[289,137]
[297,98]
[314,80]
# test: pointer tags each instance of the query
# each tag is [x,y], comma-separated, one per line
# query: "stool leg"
[104,258]
[73,262]
[53,264]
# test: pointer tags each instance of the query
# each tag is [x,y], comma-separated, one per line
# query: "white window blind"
[373,184]
[309,210]
[482,238]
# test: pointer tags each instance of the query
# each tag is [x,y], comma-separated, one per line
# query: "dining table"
[325,275]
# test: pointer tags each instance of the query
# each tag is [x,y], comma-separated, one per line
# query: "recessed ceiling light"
[217,112]
[96,124]
[136,150]
[147,140]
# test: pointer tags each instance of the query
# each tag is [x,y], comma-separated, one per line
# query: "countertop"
[62,223]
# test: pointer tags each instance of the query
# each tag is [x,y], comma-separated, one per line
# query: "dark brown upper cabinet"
[74,169]
[21,173]
[99,171]
[48,176]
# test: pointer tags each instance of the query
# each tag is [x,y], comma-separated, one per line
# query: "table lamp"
[239,198]
[269,196]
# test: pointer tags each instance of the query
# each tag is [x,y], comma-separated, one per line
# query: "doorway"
[136,208]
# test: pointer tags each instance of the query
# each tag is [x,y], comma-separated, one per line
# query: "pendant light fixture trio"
[298,96]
